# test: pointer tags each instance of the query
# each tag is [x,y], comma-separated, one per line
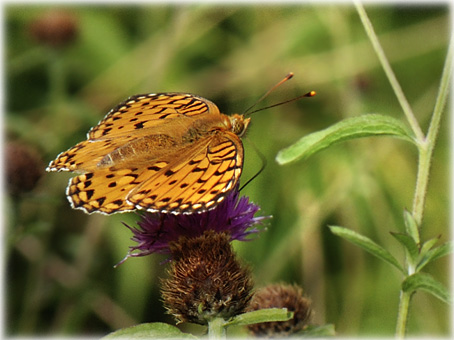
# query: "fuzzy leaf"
[426,246]
[411,226]
[367,244]
[261,315]
[436,253]
[409,243]
[155,330]
[362,126]
[427,283]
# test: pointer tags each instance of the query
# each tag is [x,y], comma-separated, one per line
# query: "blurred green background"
[59,262]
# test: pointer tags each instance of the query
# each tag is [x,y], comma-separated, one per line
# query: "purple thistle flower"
[156,231]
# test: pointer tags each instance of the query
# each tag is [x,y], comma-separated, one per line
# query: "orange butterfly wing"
[122,172]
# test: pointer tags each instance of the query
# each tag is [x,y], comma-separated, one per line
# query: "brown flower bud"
[24,167]
[205,280]
[281,296]
[56,28]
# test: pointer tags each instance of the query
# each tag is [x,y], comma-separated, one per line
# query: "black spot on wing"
[89,193]
[169,173]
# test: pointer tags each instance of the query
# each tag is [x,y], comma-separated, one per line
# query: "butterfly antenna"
[262,158]
[309,94]
[287,77]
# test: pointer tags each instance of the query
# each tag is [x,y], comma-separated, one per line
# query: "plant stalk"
[216,329]
[427,146]
[389,72]
[402,317]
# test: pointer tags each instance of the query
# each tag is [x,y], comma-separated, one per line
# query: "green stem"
[425,144]
[389,72]
[57,79]
[426,147]
[216,329]
[402,318]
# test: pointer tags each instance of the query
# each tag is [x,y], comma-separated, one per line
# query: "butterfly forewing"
[148,111]
[167,152]
[137,116]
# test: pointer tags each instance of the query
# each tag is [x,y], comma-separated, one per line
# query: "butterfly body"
[168,152]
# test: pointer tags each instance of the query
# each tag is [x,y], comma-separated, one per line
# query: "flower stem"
[56,78]
[389,72]
[216,329]
[402,318]
[426,146]
[424,161]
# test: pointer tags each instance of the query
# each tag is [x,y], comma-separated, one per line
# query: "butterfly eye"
[239,124]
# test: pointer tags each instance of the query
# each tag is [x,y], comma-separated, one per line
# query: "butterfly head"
[239,124]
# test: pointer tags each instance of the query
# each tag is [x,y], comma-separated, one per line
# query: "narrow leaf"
[425,252]
[409,243]
[367,244]
[442,250]
[411,226]
[261,315]
[436,253]
[427,283]
[155,330]
[356,127]
[428,245]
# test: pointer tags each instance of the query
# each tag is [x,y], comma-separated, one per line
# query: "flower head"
[56,28]
[206,280]
[281,296]
[24,168]
[234,216]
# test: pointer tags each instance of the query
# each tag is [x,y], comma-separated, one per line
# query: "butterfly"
[163,152]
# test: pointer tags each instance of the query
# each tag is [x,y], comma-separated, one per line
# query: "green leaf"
[150,331]
[411,226]
[367,244]
[356,127]
[443,250]
[429,244]
[427,283]
[313,331]
[410,245]
[436,253]
[261,315]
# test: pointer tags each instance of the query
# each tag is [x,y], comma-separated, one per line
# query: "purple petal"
[155,231]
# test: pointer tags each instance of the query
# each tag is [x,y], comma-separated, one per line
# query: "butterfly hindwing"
[106,190]
[198,181]
[186,184]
